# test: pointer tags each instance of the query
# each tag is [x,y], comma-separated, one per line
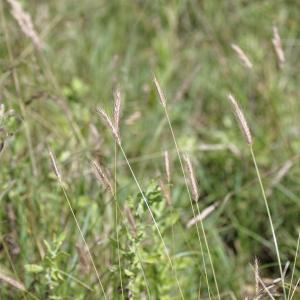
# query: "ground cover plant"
[124,173]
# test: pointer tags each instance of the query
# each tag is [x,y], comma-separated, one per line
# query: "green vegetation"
[135,224]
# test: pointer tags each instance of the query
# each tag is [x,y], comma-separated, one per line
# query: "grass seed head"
[25,23]
[117,109]
[101,176]
[109,123]
[160,92]
[256,274]
[167,166]
[277,46]
[192,179]
[242,56]
[241,119]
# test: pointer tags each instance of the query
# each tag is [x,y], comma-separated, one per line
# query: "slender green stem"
[116,219]
[194,214]
[152,217]
[74,279]
[295,288]
[294,266]
[270,218]
[83,238]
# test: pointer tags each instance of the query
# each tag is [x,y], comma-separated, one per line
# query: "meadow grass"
[139,237]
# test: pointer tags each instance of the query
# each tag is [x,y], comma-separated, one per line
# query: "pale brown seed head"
[160,92]
[241,119]
[12,281]
[204,214]
[54,165]
[256,274]
[167,166]
[101,176]
[25,23]
[242,56]
[277,46]
[192,179]
[109,123]
[117,109]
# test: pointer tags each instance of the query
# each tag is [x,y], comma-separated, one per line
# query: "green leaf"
[33,268]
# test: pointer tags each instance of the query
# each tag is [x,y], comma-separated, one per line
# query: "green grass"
[51,99]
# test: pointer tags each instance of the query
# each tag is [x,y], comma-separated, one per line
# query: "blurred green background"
[50,99]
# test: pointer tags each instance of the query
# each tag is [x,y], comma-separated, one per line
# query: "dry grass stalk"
[167,166]
[101,176]
[117,109]
[278,47]
[11,281]
[25,23]
[109,123]
[160,92]
[242,56]
[192,179]
[241,119]
[204,214]
[54,165]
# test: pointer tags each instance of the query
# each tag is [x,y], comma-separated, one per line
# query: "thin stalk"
[152,216]
[74,279]
[294,266]
[191,202]
[269,216]
[116,218]
[295,288]
[83,238]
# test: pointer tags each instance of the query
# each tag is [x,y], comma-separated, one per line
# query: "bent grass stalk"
[163,103]
[59,179]
[247,134]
